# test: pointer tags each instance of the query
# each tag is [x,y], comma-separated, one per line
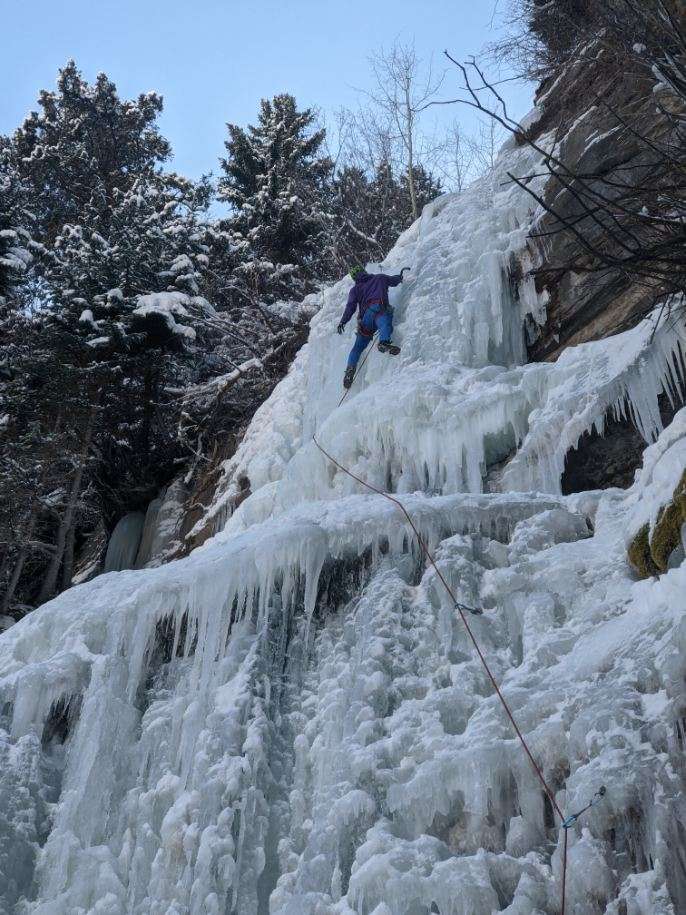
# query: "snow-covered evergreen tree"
[119,313]
[426,187]
[138,285]
[370,212]
[22,440]
[84,146]
[15,220]
[116,227]
[275,181]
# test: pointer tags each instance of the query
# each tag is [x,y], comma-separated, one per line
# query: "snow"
[169,306]
[181,262]
[663,465]
[292,719]
[86,317]
[17,256]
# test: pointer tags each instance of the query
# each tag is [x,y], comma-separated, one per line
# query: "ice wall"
[124,541]
[460,397]
[292,720]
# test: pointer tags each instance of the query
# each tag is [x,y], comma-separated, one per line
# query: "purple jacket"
[368,289]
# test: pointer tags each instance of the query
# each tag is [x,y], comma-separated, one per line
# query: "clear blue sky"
[213,60]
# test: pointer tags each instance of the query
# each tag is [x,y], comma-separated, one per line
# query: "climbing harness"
[363,331]
[376,306]
[463,609]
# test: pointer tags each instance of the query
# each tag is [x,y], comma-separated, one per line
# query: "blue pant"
[371,321]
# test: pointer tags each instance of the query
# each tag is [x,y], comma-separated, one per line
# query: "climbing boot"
[387,347]
[348,377]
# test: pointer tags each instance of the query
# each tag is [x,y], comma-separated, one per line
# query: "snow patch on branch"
[169,306]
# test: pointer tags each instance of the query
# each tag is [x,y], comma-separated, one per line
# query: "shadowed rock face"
[603,461]
[610,459]
[593,301]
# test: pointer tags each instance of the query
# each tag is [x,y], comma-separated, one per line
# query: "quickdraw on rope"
[596,799]
[463,609]
[567,822]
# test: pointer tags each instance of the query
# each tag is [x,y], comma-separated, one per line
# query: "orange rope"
[461,608]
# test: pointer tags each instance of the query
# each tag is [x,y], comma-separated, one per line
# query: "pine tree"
[15,221]
[370,213]
[83,147]
[20,438]
[114,225]
[275,181]
[31,449]
[36,445]
[119,313]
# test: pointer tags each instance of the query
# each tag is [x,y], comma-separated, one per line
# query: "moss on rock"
[649,551]
[666,534]
[639,554]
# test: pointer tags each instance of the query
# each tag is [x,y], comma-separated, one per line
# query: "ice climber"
[370,296]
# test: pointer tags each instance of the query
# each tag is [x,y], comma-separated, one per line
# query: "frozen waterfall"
[292,720]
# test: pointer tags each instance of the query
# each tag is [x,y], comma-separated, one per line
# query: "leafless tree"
[370,140]
[404,87]
[627,219]
[460,157]
[339,129]
[455,161]
[485,144]
[464,156]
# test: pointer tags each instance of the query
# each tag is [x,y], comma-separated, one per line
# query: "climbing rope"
[364,359]
[566,822]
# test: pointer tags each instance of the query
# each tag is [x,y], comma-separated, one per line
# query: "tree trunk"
[409,117]
[68,564]
[5,560]
[19,564]
[148,406]
[30,525]
[50,581]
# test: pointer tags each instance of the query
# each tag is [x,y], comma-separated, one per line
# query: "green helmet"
[356,270]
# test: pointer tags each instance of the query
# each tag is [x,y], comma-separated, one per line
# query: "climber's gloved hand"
[341,328]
